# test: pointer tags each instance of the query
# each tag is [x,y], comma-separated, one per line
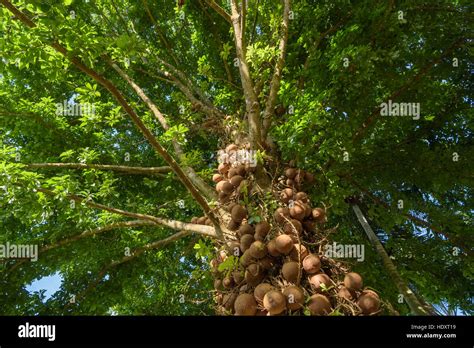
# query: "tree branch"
[115,168]
[135,118]
[205,230]
[200,184]
[219,10]
[410,298]
[275,83]
[251,100]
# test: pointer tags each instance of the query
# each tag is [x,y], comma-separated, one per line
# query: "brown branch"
[200,184]
[251,100]
[115,168]
[223,13]
[275,83]
[130,111]
[173,224]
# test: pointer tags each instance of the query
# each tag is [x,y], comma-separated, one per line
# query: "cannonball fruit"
[284,244]
[274,302]
[353,281]
[294,297]
[261,289]
[319,305]
[368,303]
[312,264]
[245,304]
[316,280]
[290,271]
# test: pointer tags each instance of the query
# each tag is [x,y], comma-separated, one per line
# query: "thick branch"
[251,100]
[275,83]
[200,184]
[135,118]
[219,10]
[115,168]
[173,224]
[410,298]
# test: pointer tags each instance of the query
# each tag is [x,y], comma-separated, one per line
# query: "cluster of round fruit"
[275,272]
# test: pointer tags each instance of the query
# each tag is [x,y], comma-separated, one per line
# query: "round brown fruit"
[262,228]
[229,300]
[319,305]
[245,305]
[271,248]
[370,292]
[312,264]
[223,168]
[220,185]
[258,250]
[345,293]
[238,276]
[293,225]
[246,259]
[281,214]
[236,180]
[227,187]
[245,242]
[298,250]
[319,214]
[353,281]
[294,297]
[232,172]
[241,170]
[307,211]
[302,196]
[317,280]
[254,274]
[228,282]
[298,211]
[238,213]
[368,303]
[246,229]
[290,173]
[231,147]
[284,244]
[217,177]
[286,195]
[274,302]
[290,271]
[234,248]
[261,289]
